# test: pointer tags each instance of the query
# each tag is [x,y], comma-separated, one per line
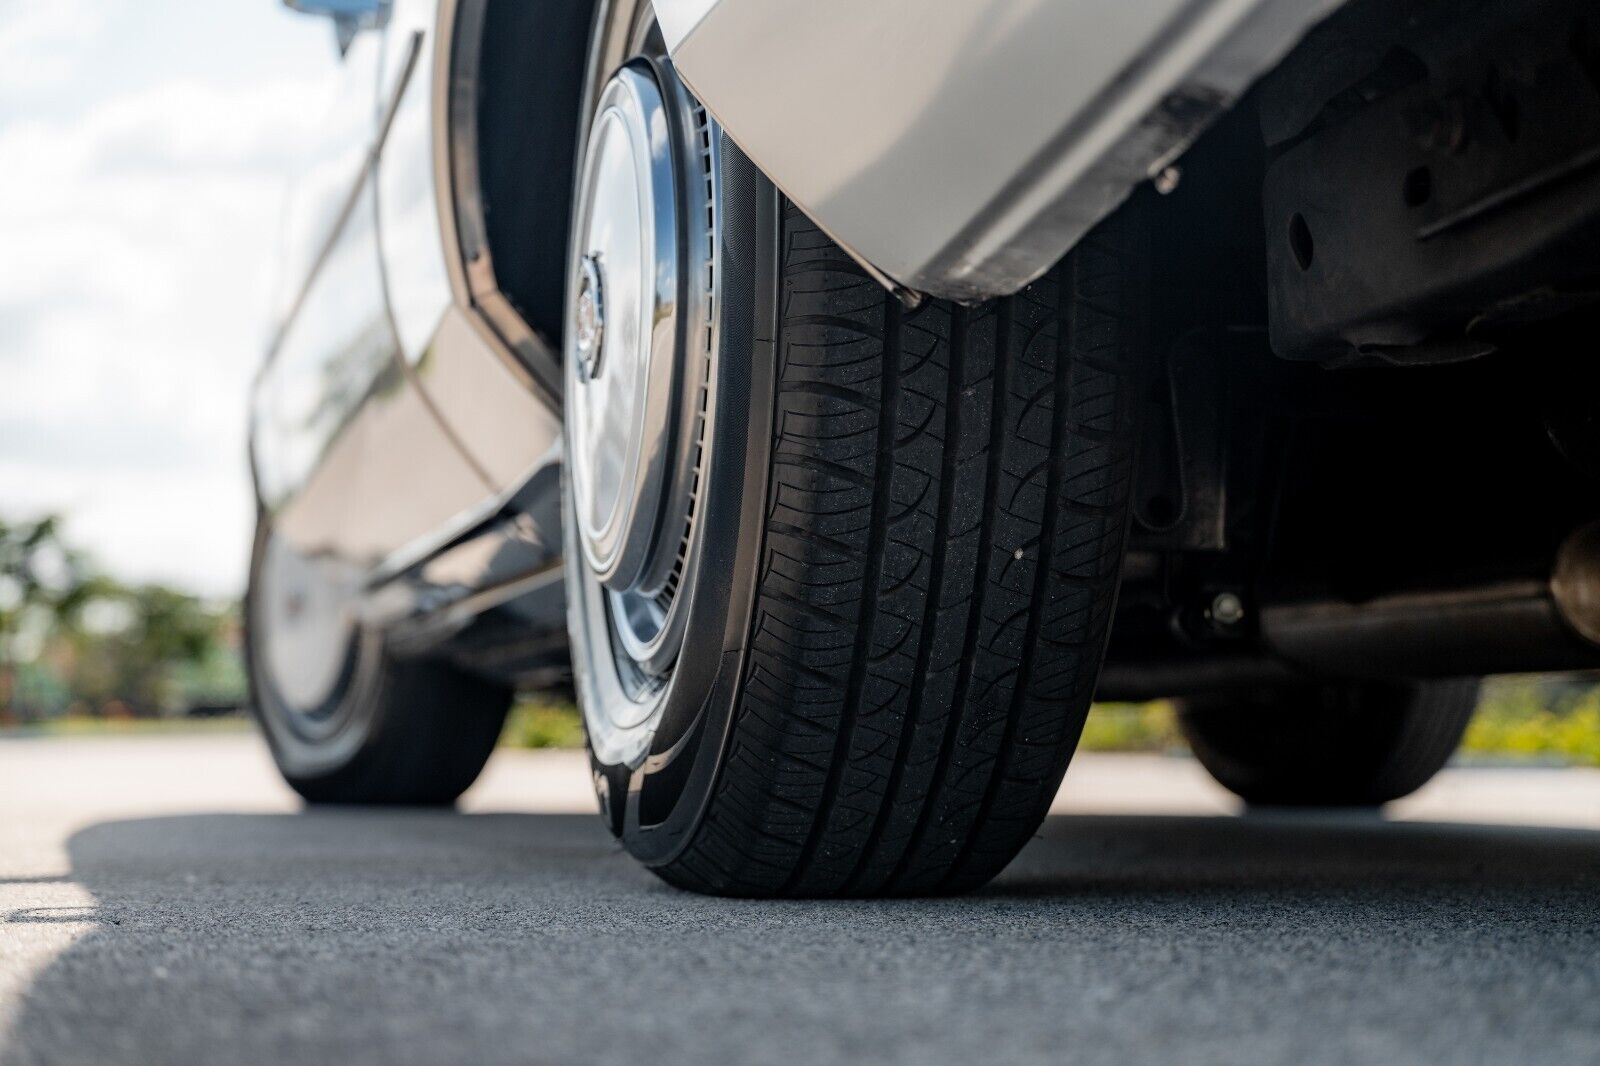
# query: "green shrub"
[1555,718]
[1131,727]
[543,722]
[1551,717]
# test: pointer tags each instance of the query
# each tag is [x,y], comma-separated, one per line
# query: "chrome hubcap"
[618,420]
[637,353]
[305,623]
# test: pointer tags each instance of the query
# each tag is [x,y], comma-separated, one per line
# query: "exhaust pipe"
[1518,626]
[1510,627]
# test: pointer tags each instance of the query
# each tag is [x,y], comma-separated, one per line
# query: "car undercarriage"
[836,497]
[1369,448]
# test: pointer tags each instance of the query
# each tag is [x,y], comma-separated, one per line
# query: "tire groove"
[889,399]
[999,379]
[1041,582]
[930,613]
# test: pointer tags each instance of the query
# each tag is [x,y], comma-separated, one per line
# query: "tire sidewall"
[678,773]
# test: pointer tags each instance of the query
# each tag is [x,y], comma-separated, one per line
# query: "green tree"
[75,634]
[137,645]
[41,582]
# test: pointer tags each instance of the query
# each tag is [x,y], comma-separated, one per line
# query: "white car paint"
[961,146]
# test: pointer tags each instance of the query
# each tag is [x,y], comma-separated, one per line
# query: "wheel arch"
[510,111]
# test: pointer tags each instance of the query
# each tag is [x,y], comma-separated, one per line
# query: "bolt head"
[1227,609]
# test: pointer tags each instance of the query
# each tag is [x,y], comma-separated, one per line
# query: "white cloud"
[38,41]
[138,236]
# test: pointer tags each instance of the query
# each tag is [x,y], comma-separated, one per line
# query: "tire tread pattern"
[944,523]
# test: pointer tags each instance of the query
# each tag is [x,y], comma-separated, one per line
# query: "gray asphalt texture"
[354,937]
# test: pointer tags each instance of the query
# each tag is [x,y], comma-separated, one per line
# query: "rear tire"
[1338,745]
[385,730]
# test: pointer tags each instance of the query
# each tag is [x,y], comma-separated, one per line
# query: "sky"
[146,147]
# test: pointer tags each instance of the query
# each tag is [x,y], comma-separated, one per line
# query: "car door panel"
[351,459]
[328,359]
[330,175]
[503,425]
[482,393]
[413,243]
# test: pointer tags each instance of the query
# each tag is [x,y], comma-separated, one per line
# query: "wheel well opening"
[530,67]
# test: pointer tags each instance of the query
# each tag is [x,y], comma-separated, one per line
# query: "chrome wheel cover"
[311,657]
[638,350]
[305,625]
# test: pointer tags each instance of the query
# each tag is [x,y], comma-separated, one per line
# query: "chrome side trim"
[444,46]
[420,629]
[528,355]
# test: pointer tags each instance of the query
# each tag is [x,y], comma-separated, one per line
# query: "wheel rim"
[638,349]
[624,311]
[306,637]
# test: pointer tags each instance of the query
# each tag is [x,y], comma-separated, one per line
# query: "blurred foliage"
[1543,718]
[1131,727]
[1555,718]
[75,725]
[77,643]
[542,721]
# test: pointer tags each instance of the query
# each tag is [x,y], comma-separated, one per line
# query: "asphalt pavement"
[165,900]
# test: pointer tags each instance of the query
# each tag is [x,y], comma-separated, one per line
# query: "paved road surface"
[164,901]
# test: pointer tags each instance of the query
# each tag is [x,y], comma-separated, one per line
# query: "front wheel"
[840,572]
[1355,744]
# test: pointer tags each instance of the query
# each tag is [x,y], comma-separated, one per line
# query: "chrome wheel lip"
[627,614]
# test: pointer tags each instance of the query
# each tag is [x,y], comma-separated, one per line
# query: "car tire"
[907,533]
[1338,745]
[387,731]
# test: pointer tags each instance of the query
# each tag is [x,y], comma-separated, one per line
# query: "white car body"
[900,151]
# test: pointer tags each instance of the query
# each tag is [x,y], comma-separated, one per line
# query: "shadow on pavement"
[402,936]
[1270,850]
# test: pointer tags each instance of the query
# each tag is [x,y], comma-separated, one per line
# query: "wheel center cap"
[588,319]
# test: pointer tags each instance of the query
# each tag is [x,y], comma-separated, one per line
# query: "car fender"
[960,147]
